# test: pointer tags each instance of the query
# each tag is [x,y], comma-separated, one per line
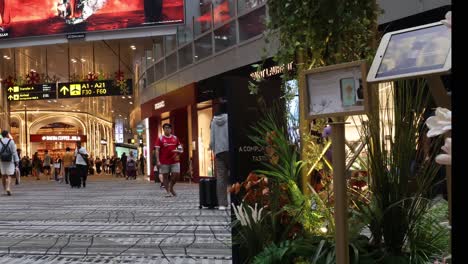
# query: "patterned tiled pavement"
[110,221]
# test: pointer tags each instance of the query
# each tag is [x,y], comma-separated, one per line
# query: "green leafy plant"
[397,156]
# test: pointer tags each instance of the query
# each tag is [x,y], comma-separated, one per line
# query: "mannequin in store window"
[219,144]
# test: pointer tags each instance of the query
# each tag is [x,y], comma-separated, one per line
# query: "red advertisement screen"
[26,18]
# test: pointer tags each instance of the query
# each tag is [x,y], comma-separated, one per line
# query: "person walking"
[36,166]
[131,166]
[168,150]
[9,161]
[142,164]
[81,162]
[47,163]
[219,144]
[123,158]
[68,158]
[19,169]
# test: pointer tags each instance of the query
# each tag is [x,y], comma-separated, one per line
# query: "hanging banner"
[26,18]
[95,88]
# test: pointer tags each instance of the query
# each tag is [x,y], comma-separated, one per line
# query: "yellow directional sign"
[16,97]
[75,89]
[64,90]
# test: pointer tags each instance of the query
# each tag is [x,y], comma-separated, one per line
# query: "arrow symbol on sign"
[64,90]
[10,89]
[10,97]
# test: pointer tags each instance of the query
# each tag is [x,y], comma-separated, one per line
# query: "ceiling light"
[55,101]
[133,47]
[73,60]
[112,111]
[120,115]
[62,106]
[149,58]
[131,102]
[129,96]
[83,60]
[123,97]
[49,101]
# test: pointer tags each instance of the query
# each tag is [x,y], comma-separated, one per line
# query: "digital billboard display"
[26,18]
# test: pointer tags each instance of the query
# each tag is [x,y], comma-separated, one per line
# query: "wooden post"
[339,187]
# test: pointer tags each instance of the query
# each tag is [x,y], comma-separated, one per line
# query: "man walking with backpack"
[9,161]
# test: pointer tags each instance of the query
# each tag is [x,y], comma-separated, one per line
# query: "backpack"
[5,154]
[131,165]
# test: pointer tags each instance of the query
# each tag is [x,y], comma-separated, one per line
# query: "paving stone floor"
[110,221]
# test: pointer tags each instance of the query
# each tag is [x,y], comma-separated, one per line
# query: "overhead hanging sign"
[95,88]
[31,92]
[26,18]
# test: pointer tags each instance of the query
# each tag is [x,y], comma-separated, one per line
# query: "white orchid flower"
[445,159]
[243,216]
[440,123]
[448,19]
[238,211]
[256,214]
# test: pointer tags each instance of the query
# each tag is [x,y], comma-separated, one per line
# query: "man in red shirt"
[168,149]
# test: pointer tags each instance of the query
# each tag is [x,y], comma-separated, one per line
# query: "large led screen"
[25,18]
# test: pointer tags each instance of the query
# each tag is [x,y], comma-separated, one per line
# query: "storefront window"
[204,153]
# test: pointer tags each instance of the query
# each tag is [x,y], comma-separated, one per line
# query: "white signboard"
[336,90]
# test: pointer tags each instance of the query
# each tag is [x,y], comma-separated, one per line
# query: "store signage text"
[159,105]
[94,88]
[57,138]
[271,71]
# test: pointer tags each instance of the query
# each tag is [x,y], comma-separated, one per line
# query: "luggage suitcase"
[207,193]
[75,179]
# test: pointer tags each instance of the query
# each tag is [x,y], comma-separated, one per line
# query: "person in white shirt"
[81,162]
[9,160]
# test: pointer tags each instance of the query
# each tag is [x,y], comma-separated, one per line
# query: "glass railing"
[193,43]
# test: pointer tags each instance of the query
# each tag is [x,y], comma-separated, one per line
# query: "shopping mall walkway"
[110,221]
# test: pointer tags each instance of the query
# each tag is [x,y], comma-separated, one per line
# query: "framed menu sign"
[336,90]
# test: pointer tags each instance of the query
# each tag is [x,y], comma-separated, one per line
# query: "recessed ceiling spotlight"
[133,47]
[55,101]
[112,111]
[120,115]
[73,60]
[123,97]
[131,103]
[62,106]
[149,58]
[49,101]
[82,60]
[129,96]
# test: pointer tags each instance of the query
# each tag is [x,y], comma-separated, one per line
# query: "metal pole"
[339,187]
